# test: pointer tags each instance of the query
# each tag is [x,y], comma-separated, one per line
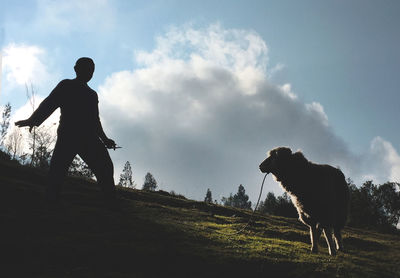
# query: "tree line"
[371,205]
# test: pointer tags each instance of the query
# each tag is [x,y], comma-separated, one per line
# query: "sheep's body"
[319,193]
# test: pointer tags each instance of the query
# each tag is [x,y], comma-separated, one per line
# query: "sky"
[197,92]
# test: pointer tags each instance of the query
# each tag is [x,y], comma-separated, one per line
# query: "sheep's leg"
[338,239]
[329,241]
[315,233]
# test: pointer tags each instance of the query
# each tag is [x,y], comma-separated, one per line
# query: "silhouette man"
[80,131]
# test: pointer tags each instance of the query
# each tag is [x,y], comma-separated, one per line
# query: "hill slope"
[156,235]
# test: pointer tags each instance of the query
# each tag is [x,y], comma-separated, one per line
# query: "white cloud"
[382,162]
[239,51]
[202,113]
[24,64]
[287,89]
[317,110]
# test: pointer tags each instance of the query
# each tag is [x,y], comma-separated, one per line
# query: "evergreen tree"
[125,179]
[239,200]
[208,198]
[150,183]
[270,205]
[5,122]
[285,206]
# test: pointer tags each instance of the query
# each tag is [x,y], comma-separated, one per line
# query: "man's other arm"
[109,143]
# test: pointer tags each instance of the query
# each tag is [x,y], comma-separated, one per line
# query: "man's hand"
[26,122]
[110,144]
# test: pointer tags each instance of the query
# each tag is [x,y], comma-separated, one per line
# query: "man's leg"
[61,159]
[96,156]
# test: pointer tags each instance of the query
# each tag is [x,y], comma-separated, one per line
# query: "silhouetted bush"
[180,196]
[150,183]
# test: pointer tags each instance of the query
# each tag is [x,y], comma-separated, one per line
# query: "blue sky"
[340,58]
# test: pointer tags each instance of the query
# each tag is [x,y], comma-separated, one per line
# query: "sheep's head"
[275,160]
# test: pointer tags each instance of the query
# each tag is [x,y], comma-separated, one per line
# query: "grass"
[153,234]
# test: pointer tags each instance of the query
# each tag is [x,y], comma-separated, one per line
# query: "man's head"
[84,68]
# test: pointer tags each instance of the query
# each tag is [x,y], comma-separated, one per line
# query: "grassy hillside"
[157,235]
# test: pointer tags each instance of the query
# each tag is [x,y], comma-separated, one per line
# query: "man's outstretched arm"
[45,109]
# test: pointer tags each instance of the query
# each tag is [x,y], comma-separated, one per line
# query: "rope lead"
[251,217]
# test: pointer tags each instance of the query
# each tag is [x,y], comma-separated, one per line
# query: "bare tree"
[31,95]
[43,140]
[14,143]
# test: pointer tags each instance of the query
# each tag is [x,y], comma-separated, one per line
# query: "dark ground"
[154,234]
